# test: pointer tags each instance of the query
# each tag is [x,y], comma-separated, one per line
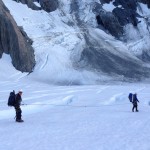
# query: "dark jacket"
[18,100]
[135,100]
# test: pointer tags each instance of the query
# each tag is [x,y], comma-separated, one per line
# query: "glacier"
[71,49]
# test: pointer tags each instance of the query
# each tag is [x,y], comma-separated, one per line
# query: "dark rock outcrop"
[127,13]
[29,3]
[123,14]
[47,5]
[126,4]
[126,16]
[108,21]
[105,1]
[145,2]
[13,42]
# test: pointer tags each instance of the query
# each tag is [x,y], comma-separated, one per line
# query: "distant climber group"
[16,99]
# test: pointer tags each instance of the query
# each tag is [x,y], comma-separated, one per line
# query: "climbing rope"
[81,106]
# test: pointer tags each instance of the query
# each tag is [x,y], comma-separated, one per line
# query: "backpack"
[130,97]
[11,99]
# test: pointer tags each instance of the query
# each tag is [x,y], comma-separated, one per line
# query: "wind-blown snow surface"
[96,117]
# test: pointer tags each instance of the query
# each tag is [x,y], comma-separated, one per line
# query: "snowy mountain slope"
[8,72]
[71,49]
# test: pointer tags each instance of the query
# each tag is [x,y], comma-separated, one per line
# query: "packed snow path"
[76,118]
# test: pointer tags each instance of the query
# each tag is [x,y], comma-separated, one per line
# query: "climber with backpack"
[15,101]
[135,102]
[17,106]
[133,99]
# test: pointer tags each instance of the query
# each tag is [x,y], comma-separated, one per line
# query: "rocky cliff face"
[125,11]
[145,2]
[123,14]
[14,42]
[30,4]
[117,21]
[47,5]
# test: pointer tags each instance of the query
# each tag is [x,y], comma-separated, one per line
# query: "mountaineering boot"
[19,120]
